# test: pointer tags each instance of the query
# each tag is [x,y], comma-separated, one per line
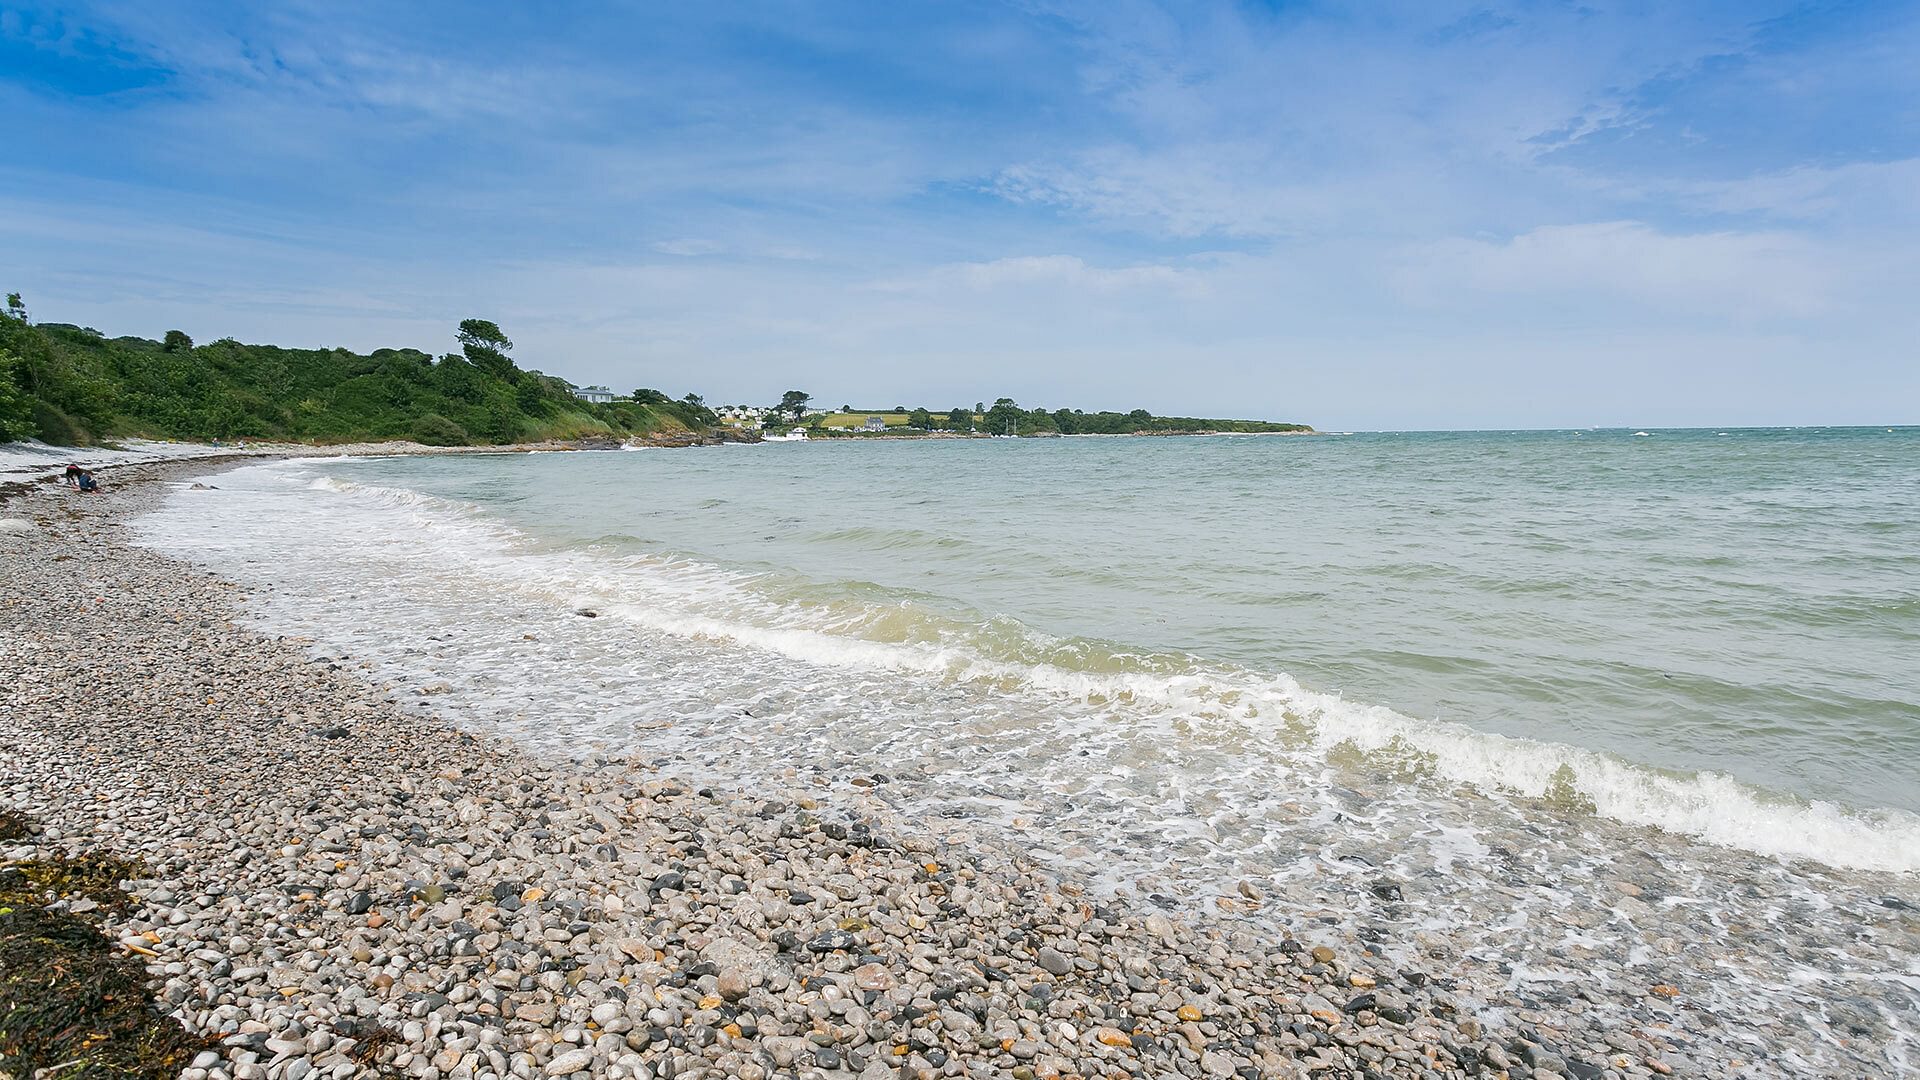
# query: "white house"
[599,395]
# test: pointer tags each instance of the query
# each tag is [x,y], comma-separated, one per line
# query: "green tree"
[960,419]
[176,341]
[486,347]
[920,418]
[458,379]
[693,409]
[647,396]
[436,430]
[530,396]
[16,410]
[1005,416]
[16,307]
[793,403]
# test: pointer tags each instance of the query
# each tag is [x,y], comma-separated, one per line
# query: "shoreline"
[1259,997]
[19,479]
[325,865]
[16,478]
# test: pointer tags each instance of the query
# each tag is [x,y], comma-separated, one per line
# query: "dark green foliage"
[16,408]
[794,403]
[1074,422]
[1004,417]
[692,410]
[436,430]
[69,385]
[920,418]
[53,426]
[645,396]
[486,347]
[481,335]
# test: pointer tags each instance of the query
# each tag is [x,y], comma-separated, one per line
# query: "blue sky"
[1366,215]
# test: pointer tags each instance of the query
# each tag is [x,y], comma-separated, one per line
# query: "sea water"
[1543,712]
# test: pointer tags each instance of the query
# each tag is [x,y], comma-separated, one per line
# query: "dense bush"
[436,430]
[16,409]
[72,385]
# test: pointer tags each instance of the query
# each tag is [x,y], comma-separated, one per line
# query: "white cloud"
[1747,275]
[1055,271]
[1872,191]
[1408,122]
[1197,190]
[687,247]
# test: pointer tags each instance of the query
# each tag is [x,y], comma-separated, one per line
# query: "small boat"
[796,435]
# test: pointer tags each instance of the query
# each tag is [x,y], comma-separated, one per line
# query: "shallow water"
[1591,701]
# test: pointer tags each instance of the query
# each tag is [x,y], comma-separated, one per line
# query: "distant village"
[732,416]
[794,417]
[754,417]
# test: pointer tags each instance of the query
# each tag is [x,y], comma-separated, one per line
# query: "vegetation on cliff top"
[73,385]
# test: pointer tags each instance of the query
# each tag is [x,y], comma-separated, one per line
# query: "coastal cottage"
[599,395]
[876,423]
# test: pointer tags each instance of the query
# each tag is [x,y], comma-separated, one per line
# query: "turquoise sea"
[1168,665]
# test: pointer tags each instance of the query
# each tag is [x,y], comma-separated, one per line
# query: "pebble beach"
[340,885]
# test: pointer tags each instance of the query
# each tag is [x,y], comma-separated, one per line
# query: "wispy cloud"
[689,247]
[1290,206]
[1628,266]
[1048,271]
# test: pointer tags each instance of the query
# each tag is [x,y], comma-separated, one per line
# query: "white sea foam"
[1154,775]
[694,601]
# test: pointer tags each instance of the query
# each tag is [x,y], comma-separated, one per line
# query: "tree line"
[1006,417]
[74,385]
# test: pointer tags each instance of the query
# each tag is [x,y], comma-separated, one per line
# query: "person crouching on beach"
[73,475]
[86,483]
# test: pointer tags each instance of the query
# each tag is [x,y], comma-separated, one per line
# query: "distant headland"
[74,386]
